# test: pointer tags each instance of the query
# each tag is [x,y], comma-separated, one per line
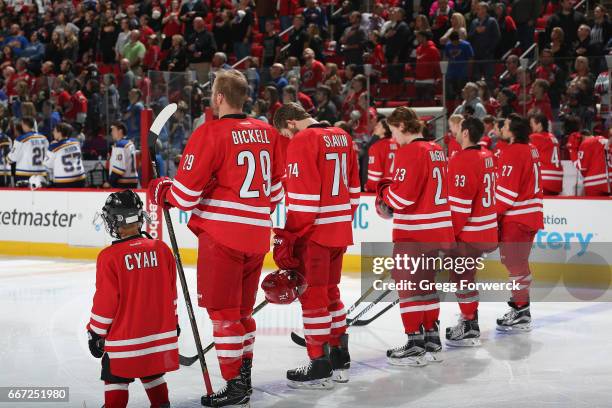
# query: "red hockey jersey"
[592,165]
[380,162]
[552,172]
[418,194]
[471,192]
[500,145]
[244,156]
[134,307]
[453,146]
[322,185]
[519,186]
[312,76]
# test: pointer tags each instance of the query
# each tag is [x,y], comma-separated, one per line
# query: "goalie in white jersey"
[122,165]
[28,153]
[64,158]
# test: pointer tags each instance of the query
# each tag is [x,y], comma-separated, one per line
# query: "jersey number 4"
[247,158]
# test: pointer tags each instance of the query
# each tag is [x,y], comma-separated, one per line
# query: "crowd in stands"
[93,63]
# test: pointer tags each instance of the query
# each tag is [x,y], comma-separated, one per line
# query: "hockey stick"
[360,323]
[154,132]
[187,361]
[300,341]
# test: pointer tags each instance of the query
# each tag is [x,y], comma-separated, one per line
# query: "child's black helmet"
[122,208]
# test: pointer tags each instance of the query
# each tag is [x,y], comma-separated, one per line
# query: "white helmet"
[36,182]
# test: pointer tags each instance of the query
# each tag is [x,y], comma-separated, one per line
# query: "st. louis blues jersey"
[64,159]
[28,153]
[122,166]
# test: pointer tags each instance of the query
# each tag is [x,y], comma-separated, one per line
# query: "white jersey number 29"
[246,157]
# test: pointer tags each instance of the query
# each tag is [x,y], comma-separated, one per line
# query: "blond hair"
[234,87]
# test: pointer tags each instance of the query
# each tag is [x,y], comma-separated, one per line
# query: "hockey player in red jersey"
[417,199]
[229,178]
[548,150]
[136,337]
[454,128]
[519,214]
[322,195]
[592,155]
[381,155]
[471,193]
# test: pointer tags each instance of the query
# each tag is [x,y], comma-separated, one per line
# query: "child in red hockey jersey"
[135,336]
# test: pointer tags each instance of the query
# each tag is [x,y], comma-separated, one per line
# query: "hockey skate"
[316,375]
[410,354]
[516,319]
[466,333]
[234,395]
[340,360]
[433,344]
[245,372]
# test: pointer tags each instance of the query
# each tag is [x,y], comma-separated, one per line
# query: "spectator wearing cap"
[568,20]
[471,101]
[200,50]
[484,36]
[353,40]
[326,109]
[427,65]
[276,76]
[525,14]
[458,53]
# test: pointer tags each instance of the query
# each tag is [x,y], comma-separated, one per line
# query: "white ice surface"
[566,361]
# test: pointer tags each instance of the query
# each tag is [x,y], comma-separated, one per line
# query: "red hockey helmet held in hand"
[283,287]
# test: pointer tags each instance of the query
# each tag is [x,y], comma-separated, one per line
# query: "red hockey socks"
[415,313]
[317,319]
[115,395]
[249,337]
[157,391]
[338,315]
[228,334]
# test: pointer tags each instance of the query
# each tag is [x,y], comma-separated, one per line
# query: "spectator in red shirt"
[152,55]
[490,104]
[172,24]
[540,99]
[291,94]
[358,86]
[78,104]
[145,30]
[555,76]
[522,91]
[427,65]
[312,72]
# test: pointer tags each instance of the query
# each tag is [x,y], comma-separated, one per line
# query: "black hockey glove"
[96,344]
